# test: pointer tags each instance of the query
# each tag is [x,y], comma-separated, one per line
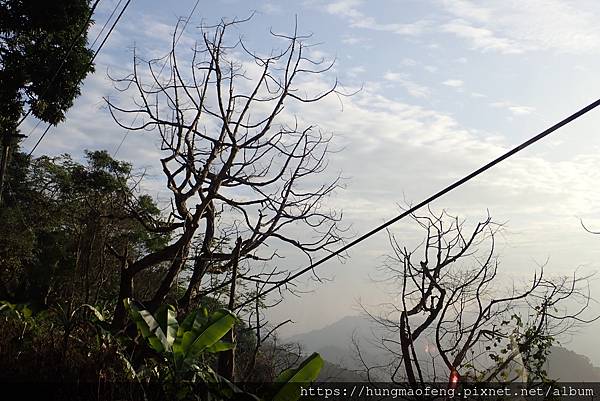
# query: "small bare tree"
[239,170]
[453,320]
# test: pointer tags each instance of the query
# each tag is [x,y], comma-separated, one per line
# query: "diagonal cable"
[430,199]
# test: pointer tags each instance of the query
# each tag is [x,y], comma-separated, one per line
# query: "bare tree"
[454,320]
[237,167]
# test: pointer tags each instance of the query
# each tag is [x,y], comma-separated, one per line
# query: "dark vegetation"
[101,284]
[79,239]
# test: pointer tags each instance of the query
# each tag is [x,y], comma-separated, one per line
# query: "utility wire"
[39,140]
[185,24]
[64,60]
[89,64]
[110,31]
[114,10]
[437,195]
[69,52]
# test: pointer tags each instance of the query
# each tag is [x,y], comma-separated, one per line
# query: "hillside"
[334,343]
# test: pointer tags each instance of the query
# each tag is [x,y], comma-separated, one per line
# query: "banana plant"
[288,384]
[183,344]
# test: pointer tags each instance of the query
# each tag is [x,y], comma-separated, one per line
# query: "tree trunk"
[125,291]
[3,166]
[226,367]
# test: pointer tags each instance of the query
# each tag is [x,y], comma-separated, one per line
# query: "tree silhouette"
[453,319]
[236,167]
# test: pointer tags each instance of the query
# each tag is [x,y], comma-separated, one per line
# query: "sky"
[446,85]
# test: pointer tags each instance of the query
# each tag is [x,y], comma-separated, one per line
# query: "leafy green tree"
[63,224]
[43,59]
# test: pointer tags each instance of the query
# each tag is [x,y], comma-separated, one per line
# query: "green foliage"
[32,342]
[61,218]
[36,36]
[289,382]
[520,352]
[183,347]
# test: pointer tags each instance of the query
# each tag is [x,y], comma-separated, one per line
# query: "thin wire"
[159,74]
[110,31]
[64,60]
[437,195]
[89,64]
[34,128]
[39,140]
[115,8]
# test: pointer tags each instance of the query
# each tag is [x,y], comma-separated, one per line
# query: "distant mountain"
[567,366]
[332,372]
[334,343]
[336,334]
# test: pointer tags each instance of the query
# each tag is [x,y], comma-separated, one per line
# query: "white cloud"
[482,38]
[467,9]
[515,26]
[349,9]
[353,40]
[408,62]
[271,8]
[517,110]
[454,83]
[354,72]
[414,89]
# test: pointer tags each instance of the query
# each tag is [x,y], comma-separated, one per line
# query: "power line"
[110,31]
[89,64]
[40,139]
[159,74]
[64,59]
[437,195]
[69,52]
[114,10]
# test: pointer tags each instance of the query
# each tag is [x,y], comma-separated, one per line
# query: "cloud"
[515,109]
[414,89]
[349,9]
[408,62]
[467,9]
[271,8]
[354,72]
[513,26]
[454,83]
[353,40]
[482,38]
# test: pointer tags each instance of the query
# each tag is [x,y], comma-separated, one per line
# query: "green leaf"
[219,323]
[166,317]
[148,326]
[292,379]
[185,334]
[27,313]
[220,346]
[96,312]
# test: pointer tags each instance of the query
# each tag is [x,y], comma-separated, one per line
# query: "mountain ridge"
[334,343]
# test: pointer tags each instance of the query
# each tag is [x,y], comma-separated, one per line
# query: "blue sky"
[447,85]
